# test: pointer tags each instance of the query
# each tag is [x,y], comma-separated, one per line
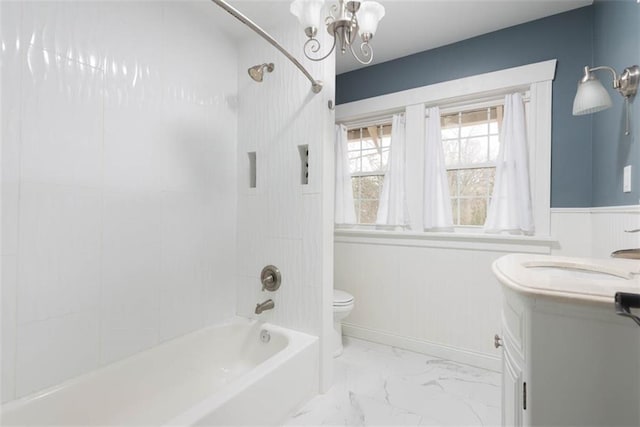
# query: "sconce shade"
[308,12]
[369,14]
[591,97]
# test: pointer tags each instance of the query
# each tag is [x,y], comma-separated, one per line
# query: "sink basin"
[566,270]
[568,278]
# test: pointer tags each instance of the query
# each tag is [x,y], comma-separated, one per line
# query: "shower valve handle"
[270,278]
[267,281]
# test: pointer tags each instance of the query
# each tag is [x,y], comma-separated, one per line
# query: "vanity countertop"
[580,279]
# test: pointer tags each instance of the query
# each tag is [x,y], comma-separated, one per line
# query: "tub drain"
[265,336]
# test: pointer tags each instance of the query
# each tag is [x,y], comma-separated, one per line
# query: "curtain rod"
[316,85]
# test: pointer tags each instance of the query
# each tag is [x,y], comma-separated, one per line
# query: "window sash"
[357,135]
[457,195]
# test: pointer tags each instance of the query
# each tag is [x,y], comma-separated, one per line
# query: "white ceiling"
[412,26]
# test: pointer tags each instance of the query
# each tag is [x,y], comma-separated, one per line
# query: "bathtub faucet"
[267,305]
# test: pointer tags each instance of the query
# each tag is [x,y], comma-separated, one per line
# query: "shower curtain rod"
[316,85]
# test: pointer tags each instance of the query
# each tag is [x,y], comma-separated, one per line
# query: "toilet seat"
[342,298]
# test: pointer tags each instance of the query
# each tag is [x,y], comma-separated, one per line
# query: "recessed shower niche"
[304,164]
[252,169]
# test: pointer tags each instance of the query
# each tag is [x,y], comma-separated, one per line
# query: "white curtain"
[510,208]
[437,214]
[344,208]
[393,208]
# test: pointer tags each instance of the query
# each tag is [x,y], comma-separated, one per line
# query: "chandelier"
[346,20]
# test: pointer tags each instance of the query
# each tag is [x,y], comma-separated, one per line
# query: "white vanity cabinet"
[567,360]
[513,362]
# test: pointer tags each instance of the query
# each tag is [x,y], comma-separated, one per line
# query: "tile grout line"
[19,177]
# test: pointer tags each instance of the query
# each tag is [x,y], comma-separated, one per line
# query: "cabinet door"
[512,391]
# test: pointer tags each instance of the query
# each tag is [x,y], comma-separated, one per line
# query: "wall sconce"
[592,97]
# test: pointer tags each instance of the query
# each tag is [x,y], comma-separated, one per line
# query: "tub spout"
[267,305]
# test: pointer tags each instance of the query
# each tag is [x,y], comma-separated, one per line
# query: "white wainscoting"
[442,300]
[595,232]
[437,294]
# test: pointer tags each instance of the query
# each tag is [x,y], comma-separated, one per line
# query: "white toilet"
[343,303]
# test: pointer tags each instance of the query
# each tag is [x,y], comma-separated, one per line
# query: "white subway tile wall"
[281,221]
[119,147]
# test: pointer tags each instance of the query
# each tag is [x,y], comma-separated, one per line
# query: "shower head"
[257,71]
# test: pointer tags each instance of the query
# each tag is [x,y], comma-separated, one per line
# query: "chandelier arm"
[333,9]
[313,45]
[353,30]
[366,50]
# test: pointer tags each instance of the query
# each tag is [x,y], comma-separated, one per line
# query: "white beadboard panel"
[8,322]
[572,229]
[131,262]
[62,126]
[456,354]
[53,350]
[59,262]
[608,229]
[445,301]
[595,232]
[12,57]
[445,297]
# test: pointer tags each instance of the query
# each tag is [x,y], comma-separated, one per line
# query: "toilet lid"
[341,298]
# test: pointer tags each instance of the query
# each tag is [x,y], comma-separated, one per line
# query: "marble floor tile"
[376,384]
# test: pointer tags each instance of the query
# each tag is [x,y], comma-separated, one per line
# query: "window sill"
[447,240]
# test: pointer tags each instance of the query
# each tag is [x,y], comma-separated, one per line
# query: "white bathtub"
[223,375]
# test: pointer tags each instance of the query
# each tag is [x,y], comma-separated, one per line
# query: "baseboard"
[459,355]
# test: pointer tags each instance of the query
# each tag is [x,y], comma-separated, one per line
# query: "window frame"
[535,79]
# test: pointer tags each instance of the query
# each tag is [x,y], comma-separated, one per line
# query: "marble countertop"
[580,279]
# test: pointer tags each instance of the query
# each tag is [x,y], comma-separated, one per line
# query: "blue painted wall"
[616,43]
[567,37]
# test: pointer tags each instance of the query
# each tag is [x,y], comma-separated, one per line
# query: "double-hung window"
[471,114]
[369,148]
[471,141]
